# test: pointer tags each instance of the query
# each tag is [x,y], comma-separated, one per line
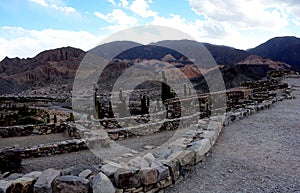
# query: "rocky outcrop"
[257,60]
[52,66]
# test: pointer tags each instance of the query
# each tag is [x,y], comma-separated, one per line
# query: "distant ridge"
[285,49]
[58,66]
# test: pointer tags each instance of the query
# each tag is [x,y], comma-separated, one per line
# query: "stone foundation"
[152,172]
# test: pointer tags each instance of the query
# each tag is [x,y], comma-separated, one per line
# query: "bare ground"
[257,154]
[87,157]
[26,141]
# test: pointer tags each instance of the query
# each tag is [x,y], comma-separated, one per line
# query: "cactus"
[166,90]
[96,102]
[144,107]
[55,118]
[48,118]
[122,105]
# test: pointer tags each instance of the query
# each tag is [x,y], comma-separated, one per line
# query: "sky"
[28,27]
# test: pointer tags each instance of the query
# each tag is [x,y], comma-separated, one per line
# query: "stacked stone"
[61,147]
[26,130]
[149,173]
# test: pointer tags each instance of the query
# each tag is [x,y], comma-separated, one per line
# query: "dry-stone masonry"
[151,172]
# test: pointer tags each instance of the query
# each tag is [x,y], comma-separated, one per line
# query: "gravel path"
[87,157]
[22,142]
[60,161]
[257,154]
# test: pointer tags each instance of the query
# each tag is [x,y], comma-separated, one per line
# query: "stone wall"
[152,172]
[26,130]
[49,149]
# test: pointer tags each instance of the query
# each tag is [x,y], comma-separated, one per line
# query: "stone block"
[211,135]
[174,168]
[200,148]
[186,158]
[148,176]
[164,183]
[180,143]
[126,178]
[70,184]
[149,158]
[102,184]
[5,186]
[22,185]
[162,154]
[85,173]
[110,168]
[34,174]
[44,182]
[14,176]
[138,162]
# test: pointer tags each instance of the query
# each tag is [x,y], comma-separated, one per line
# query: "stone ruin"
[155,170]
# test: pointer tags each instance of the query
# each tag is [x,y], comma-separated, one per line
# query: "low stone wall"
[151,172]
[49,149]
[26,130]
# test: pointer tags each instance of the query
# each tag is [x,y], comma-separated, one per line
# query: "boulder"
[200,148]
[102,184]
[163,172]
[186,157]
[44,182]
[149,158]
[14,176]
[138,162]
[162,154]
[174,168]
[70,184]
[125,178]
[77,169]
[5,186]
[148,176]
[85,173]
[110,168]
[35,174]
[22,185]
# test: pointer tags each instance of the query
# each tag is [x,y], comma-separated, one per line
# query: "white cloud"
[124,3]
[27,43]
[294,9]
[112,2]
[208,30]
[118,18]
[42,3]
[243,15]
[55,5]
[142,8]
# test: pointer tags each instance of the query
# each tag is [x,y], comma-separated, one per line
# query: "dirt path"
[87,157]
[257,154]
[22,142]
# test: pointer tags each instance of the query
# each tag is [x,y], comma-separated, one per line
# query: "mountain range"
[58,66]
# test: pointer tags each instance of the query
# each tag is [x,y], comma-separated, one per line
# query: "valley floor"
[257,154]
